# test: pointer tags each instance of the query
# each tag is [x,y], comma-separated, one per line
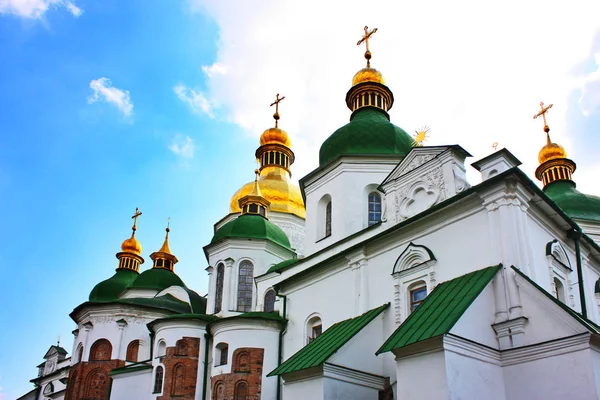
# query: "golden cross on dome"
[365,39]
[542,113]
[276,104]
[135,217]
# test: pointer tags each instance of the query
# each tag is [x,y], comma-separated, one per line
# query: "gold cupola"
[130,255]
[368,86]
[163,258]
[554,164]
[275,157]
[254,202]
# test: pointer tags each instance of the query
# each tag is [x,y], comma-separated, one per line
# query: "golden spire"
[163,258]
[254,202]
[165,247]
[256,190]
[365,39]
[276,104]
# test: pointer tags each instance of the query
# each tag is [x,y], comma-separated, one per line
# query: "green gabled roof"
[249,226]
[441,309]
[590,325]
[369,132]
[282,265]
[319,350]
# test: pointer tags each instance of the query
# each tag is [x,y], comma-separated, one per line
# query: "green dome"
[249,226]
[111,288]
[369,132]
[574,203]
[157,279]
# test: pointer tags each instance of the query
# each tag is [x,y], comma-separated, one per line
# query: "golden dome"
[274,186]
[276,136]
[131,245]
[368,75]
[551,151]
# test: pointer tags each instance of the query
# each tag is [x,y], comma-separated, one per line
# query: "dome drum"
[369,94]
[555,169]
[275,155]
[129,261]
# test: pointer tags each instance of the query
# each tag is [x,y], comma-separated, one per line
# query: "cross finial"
[542,113]
[276,104]
[135,217]
[495,145]
[365,39]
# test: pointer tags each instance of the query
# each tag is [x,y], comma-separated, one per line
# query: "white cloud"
[590,92]
[36,8]
[474,71]
[104,91]
[183,146]
[213,70]
[195,100]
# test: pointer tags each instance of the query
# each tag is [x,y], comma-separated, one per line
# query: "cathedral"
[385,274]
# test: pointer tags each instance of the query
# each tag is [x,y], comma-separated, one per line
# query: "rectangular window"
[417,296]
[316,331]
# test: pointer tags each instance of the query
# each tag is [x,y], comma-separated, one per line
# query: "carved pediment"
[414,159]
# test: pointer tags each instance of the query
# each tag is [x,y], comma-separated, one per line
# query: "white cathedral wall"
[422,377]
[338,389]
[470,378]
[310,388]
[565,376]
[255,333]
[347,184]
[134,385]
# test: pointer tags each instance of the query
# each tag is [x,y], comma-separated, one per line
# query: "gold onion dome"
[131,245]
[275,136]
[551,151]
[368,75]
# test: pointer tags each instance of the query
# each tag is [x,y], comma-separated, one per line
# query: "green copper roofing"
[441,309]
[130,368]
[369,132]
[157,279]
[110,289]
[197,302]
[283,265]
[249,226]
[590,325]
[319,350]
[166,302]
[574,203]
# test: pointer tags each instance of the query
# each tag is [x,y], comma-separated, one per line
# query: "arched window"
[416,294]
[132,351]
[241,391]
[101,350]
[177,387]
[241,362]
[314,328]
[221,353]
[560,290]
[374,208]
[328,219]
[219,391]
[162,349]
[96,385]
[181,348]
[245,282]
[158,379]
[269,305]
[219,291]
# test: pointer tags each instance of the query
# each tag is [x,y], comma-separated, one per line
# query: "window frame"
[415,287]
[245,286]
[376,202]
[328,211]
[161,369]
[267,302]
[219,285]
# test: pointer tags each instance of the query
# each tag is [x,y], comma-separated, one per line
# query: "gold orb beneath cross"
[551,151]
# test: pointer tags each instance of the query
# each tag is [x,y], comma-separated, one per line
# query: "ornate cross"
[135,217]
[365,39]
[276,104]
[542,113]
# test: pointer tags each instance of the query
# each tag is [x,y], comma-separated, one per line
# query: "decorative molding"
[412,256]
[510,333]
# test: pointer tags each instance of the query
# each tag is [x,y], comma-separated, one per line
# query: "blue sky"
[107,106]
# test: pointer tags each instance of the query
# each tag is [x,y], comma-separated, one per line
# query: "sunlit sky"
[110,105]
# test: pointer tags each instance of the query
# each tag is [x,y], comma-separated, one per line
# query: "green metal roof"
[110,288]
[441,309]
[130,368]
[283,265]
[319,350]
[369,132]
[590,325]
[574,203]
[157,279]
[250,226]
